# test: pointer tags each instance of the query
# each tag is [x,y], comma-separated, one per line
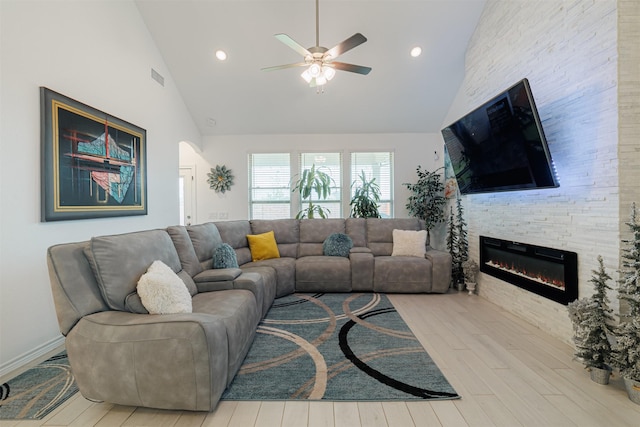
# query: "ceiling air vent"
[157,77]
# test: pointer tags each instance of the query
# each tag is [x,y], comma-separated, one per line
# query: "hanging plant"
[220,179]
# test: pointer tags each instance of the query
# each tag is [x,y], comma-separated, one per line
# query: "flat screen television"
[500,146]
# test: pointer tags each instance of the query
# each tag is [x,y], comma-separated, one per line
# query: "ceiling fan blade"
[350,67]
[293,44]
[355,40]
[282,67]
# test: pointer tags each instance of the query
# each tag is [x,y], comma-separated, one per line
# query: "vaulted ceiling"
[401,94]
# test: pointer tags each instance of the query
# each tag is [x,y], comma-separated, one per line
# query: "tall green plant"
[427,198]
[364,203]
[313,181]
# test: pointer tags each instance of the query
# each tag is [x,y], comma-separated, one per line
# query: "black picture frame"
[93,164]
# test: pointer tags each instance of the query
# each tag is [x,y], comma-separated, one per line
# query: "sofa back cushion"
[186,252]
[380,233]
[119,261]
[287,233]
[356,229]
[74,287]
[235,234]
[313,233]
[205,239]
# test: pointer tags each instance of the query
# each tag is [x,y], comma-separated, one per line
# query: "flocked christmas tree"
[457,243]
[463,241]
[592,320]
[453,248]
[626,356]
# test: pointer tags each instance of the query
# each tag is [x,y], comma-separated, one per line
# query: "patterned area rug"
[38,391]
[337,347]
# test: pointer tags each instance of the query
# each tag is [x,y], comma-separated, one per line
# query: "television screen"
[500,146]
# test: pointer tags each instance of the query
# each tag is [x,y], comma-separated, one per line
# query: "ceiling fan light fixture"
[318,59]
[328,72]
[315,70]
[306,76]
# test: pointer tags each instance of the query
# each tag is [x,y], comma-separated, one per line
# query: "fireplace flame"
[531,275]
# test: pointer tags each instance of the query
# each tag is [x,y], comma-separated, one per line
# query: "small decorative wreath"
[220,179]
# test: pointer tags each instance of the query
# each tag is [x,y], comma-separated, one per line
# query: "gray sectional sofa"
[121,354]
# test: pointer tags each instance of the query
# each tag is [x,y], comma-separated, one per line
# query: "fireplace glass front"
[552,273]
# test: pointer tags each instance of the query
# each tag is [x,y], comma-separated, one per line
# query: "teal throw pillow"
[337,244]
[225,257]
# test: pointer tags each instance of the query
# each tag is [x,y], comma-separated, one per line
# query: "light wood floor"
[508,373]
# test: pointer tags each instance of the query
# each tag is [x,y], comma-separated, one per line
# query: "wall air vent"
[157,77]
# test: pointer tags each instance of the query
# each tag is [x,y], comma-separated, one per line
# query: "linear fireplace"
[551,273]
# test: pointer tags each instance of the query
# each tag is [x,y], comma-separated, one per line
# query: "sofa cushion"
[337,244]
[238,310]
[285,272]
[186,252]
[323,274]
[314,232]
[402,274]
[356,229]
[205,239]
[409,243]
[162,291]
[119,260]
[225,257]
[286,231]
[263,246]
[380,233]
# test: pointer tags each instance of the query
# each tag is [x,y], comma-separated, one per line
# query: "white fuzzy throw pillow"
[162,291]
[409,243]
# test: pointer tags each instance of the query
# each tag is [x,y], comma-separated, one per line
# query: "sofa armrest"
[441,262]
[216,279]
[173,361]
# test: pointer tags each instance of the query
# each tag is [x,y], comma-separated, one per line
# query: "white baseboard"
[20,362]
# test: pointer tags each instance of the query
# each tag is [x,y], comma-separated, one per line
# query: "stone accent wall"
[569,52]
[629,109]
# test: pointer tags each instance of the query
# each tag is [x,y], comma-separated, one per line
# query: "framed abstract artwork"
[93,164]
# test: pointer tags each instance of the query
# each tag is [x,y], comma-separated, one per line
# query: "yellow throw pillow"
[263,246]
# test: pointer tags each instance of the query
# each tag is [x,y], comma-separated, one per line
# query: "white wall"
[410,150]
[101,54]
[568,51]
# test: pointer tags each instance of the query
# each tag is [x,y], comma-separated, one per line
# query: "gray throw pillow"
[225,257]
[337,244]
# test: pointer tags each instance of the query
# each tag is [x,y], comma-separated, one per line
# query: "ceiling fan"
[319,60]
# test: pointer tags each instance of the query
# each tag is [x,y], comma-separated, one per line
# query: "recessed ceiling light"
[221,55]
[416,51]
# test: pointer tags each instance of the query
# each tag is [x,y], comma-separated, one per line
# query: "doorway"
[187,189]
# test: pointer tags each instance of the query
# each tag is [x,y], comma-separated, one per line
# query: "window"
[269,192]
[330,163]
[378,165]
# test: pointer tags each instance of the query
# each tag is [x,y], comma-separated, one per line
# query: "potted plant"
[427,198]
[591,318]
[626,354]
[470,269]
[364,203]
[312,181]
